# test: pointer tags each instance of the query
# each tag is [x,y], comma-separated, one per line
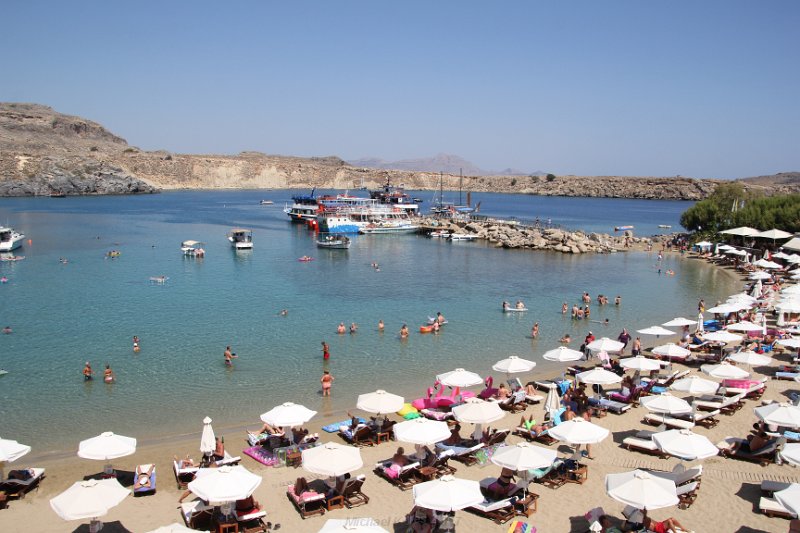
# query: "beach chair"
[441,463]
[463,454]
[706,419]
[250,516]
[726,404]
[610,405]
[27,480]
[497,437]
[514,403]
[499,511]
[363,436]
[643,442]
[687,494]
[228,460]
[528,434]
[197,515]
[765,455]
[352,494]
[681,475]
[406,478]
[144,487]
[183,476]
[308,502]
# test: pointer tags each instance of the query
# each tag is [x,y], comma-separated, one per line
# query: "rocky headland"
[43,152]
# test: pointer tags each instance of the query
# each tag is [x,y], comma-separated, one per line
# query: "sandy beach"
[727,499]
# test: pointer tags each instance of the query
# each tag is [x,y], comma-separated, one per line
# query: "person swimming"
[108,374]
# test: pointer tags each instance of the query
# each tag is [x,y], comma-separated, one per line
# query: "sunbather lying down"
[143,477]
[531,425]
[23,474]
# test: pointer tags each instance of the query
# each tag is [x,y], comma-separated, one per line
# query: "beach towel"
[262,455]
[484,455]
[333,428]
[521,527]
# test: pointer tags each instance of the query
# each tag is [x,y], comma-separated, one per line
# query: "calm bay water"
[89,308]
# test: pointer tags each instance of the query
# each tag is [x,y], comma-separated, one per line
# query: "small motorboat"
[305,259]
[193,249]
[158,280]
[241,239]
[664,226]
[462,237]
[334,241]
[10,239]
[622,228]
[266,202]
[439,234]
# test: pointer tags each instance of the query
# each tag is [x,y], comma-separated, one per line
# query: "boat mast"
[460,183]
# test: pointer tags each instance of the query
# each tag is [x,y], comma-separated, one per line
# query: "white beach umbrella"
[380,402]
[224,484]
[704,244]
[605,345]
[562,354]
[447,494]
[332,459]
[666,403]
[598,376]
[751,358]
[774,234]
[722,336]
[791,289]
[724,371]
[724,309]
[552,403]
[641,490]
[780,255]
[477,411]
[685,444]
[779,414]
[695,385]
[671,350]
[208,441]
[523,456]
[793,259]
[679,322]
[742,231]
[734,251]
[764,263]
[725,247]
[459,378]
[759,275]
[640,364]
[90,499]
[352,525]
[174,528]
[578,431]
[10,451]
[744,325]
[790,343]
[741,296]
[421,431]
[655,330]
[288,415]
[791,453]
[106,446]
[513,365]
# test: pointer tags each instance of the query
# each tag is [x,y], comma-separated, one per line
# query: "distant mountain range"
[446,163]
[782,178]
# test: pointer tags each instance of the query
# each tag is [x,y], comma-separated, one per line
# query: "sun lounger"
[611,405]
[18,488]
[528,434]
[183,476]
[772,507]
[462,454]
[228,460]
[793,376]
[497,437]
[643,442]
[687,494]
[752,389]
[406,478]
[519,486]
[655,419]
[726,404]
[140,489]
[499,512]
[363,436]
[250,516]
[308,503]
[681,476]
[197,515]
[764,455]
[352,494]
[707,419]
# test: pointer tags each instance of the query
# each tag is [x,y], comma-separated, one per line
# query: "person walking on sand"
[327,382]
[229,356]
[87,372]
[326,354]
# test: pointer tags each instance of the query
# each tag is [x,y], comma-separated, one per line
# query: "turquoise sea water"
[89,308]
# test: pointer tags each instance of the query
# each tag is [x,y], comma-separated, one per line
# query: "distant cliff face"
[42,151]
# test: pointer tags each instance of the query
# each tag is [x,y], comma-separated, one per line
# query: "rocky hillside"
[43,151]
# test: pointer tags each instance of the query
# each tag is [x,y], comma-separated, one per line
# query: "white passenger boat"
[10,239]
[193,249]
[304,207]
[462,237]
[241,239]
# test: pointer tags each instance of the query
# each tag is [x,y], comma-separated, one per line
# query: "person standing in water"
[108,374]
[535,330]
[326,354]
[229,356]
[327,382]
[135,343]
[380,326]
[87,372]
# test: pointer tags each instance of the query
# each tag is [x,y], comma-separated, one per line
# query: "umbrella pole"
[95,525]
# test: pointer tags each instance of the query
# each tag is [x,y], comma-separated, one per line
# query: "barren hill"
[43,151]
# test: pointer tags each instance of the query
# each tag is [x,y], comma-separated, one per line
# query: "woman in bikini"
[108,374]
[327,382]
[500,488]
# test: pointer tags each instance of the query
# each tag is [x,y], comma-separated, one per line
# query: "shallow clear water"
[89,309]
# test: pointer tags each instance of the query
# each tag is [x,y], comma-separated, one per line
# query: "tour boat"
[395,196]
[241,239]
[10,239]
[304,207]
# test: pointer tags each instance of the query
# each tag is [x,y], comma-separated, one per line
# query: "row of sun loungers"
[319,498]
[247,514]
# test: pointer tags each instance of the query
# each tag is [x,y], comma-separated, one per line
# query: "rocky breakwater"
[503,234]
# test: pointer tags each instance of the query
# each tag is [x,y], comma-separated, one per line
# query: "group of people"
[108,374]
[520,305]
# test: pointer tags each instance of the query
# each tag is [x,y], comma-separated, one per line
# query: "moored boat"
[462,237]
[10,239]
[266,202]
[334,241]
[193,249]
[389,226]
[241,239]
[304,207]
[622,228]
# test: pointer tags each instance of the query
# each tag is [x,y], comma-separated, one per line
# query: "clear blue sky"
[697,88]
